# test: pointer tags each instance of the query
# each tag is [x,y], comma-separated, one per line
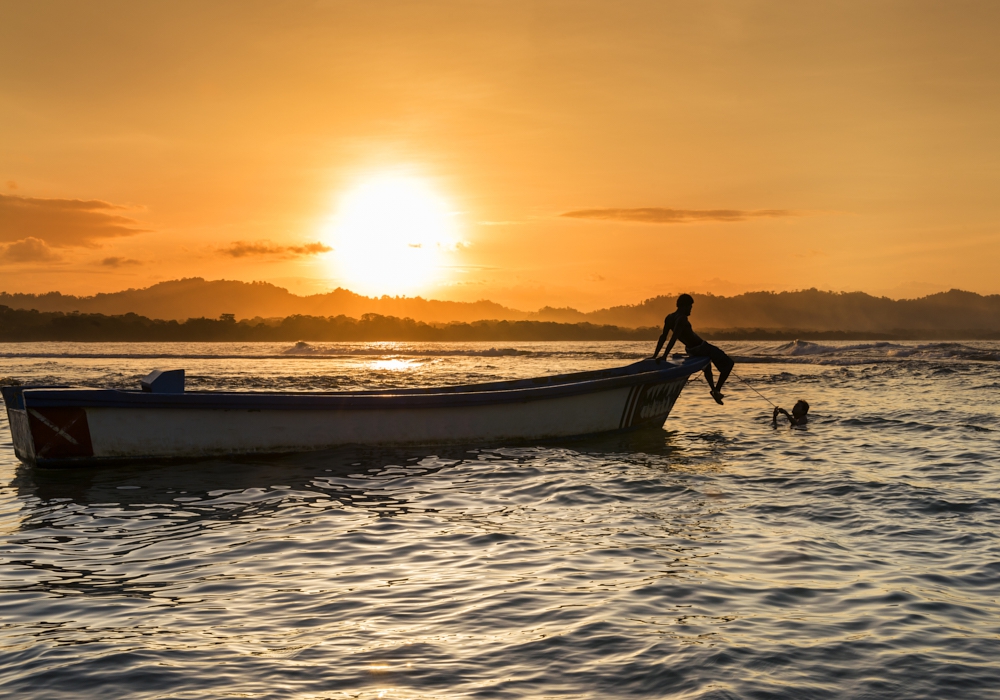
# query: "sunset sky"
[532,153]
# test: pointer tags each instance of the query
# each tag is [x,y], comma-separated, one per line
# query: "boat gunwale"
[509,391]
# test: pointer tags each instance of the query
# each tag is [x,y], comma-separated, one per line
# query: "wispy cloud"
[63,222]
[117,261]
[245,249]
[661,215]
[26,251]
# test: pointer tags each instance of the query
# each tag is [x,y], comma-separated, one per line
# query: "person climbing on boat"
[798,416]
[678,327]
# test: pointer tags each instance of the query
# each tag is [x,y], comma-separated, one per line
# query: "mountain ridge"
[810,309]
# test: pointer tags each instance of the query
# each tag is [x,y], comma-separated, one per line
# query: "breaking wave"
[807,352]
[572,352]
[307,349]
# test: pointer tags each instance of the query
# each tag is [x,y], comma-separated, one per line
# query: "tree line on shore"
[809,309]
[23,325]
[30,325]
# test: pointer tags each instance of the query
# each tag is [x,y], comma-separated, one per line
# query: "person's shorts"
[719,358]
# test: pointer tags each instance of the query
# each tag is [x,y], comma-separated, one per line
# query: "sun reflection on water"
[392,365]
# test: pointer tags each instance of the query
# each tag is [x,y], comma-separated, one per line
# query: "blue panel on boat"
[164,381]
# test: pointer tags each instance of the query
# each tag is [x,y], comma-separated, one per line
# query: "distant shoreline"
[803,311]
[22,325]
[896,334]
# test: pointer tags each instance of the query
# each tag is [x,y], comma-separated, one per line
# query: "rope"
[751,387]
[691,377]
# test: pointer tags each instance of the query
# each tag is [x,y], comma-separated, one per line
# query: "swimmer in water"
[798,416]
[678,327]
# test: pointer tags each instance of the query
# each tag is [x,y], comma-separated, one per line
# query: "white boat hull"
[74,426]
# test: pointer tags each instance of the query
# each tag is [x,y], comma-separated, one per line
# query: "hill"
[813,310]
[808,310]
[196,297]
[24,325]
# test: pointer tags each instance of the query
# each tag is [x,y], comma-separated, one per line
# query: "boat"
[60,426]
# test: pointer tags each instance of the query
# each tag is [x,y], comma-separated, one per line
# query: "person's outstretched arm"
[670,346]
[663,338]
[667,329]
[673,336]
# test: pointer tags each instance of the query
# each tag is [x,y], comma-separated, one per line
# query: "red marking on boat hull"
[60,433]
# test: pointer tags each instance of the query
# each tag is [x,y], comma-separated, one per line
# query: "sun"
[392,235]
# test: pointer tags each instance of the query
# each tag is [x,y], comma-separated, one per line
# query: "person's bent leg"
[713,388]
[724,363]
[708,376]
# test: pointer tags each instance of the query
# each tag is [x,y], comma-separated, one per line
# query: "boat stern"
[17,416]
[48,434]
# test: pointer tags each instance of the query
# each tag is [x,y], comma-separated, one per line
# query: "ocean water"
[716,558]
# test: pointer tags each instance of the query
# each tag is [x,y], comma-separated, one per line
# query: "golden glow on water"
[392,235]
[394,365]
[856,556]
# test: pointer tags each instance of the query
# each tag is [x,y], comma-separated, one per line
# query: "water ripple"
[719,558]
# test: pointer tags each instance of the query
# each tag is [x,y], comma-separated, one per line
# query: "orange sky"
[708,146]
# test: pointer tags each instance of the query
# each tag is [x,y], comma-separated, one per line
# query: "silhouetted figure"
[679,327]
[798,416]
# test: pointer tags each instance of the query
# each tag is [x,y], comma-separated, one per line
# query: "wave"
[798,348]
[746,352]
[807,352]
[133,356]
[266,356]
[306,349]
[293,352]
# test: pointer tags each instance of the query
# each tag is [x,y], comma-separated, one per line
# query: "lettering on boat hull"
[648,403]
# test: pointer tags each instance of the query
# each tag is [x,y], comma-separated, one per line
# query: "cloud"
[63,222]
[116,261]
[27,250]
[660,215]
[244,249]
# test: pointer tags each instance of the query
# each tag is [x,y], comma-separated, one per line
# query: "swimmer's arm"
[777,410]
[792,420]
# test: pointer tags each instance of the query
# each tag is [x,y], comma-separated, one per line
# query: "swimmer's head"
[800,408]
[685,302]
